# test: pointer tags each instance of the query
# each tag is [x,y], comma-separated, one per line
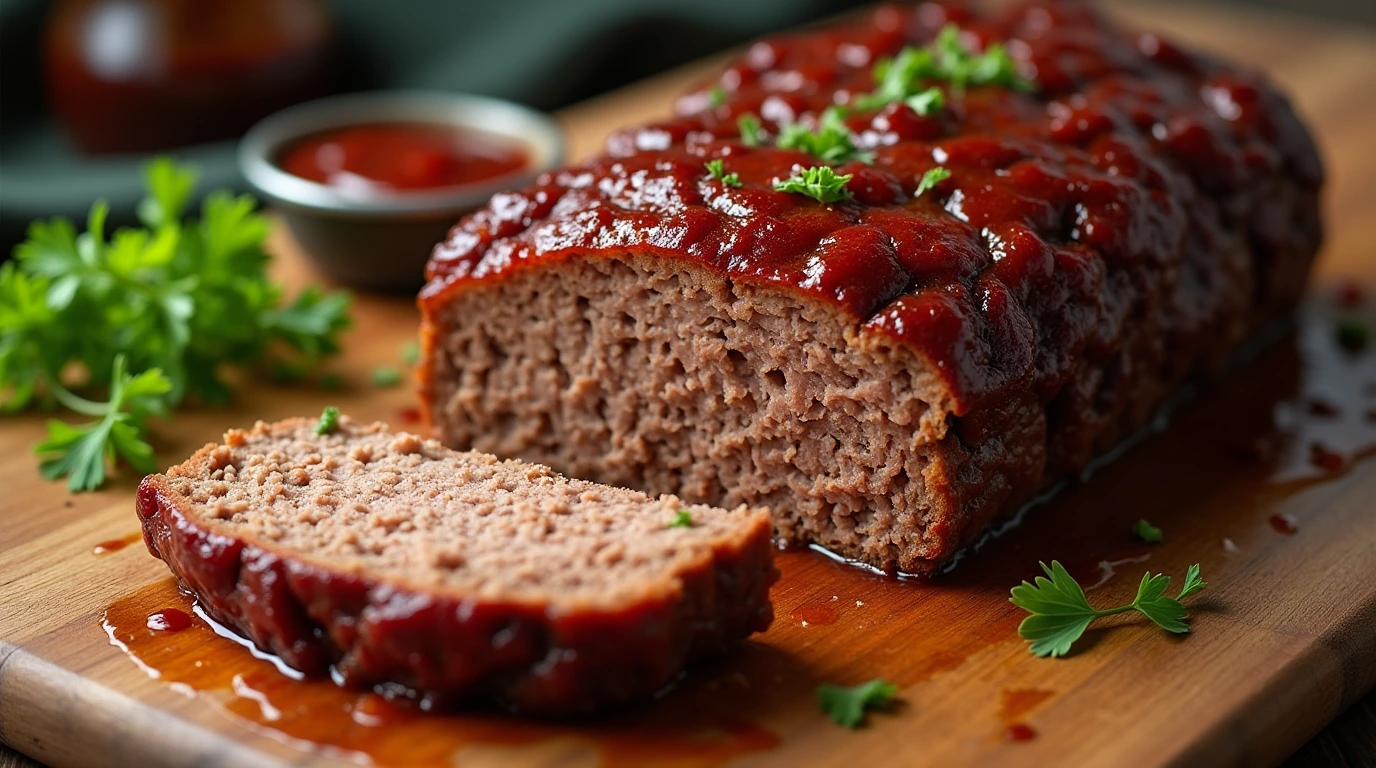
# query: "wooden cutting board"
[1265,478]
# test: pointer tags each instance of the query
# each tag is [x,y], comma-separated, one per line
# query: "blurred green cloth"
[546,53]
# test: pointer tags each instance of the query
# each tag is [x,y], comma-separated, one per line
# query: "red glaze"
[1020,732]
[1284,524]
[400,157]
[1071,213]
[168,620]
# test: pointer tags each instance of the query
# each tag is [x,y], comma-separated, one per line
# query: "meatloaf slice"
[1004,282]
[452,576]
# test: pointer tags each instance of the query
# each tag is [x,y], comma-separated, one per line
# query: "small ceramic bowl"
[381,241]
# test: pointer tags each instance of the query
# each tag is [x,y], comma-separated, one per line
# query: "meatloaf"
[454,577]
[892,364]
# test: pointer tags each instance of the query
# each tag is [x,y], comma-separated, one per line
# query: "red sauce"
[688,728]
[1284,524]
[115,545]
[168,620]
[1350,295]
[1020,732]
[409,415]
[1326,458]
[400,157]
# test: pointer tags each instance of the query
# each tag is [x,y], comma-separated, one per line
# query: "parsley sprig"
[716,169]
[945,59]
[1147,532]
[1060,612]
[819,182]
[683,518]
[81,453]
[830,142]
[847,706]
[930,178]
[185,297]
[751,130]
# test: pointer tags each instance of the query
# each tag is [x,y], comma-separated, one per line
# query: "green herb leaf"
[682,519]
[819,183]
[847,706]
[831,141]
[716,169]
[386,376]
[1060,612]
[930,178]
[716,97]
[81,453]
[944,59]
[329,419]
[1147,532]
[186,297]
[751,130]
[926,103]
[410,352]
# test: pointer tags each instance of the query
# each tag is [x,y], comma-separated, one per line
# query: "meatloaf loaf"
[454,577]
[1017,272]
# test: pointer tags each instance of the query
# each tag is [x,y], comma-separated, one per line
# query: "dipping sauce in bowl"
[389,158]
[368,183]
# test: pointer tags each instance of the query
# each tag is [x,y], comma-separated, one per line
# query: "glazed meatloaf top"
[1067,205]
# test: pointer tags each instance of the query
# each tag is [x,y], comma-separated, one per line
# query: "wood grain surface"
[1282,641]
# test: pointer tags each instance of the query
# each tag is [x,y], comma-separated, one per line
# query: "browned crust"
[447,649]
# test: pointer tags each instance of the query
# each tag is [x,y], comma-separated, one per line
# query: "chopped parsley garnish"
[944,59]
[926,103]
[830,142]
[410,352]
[1060,612]
[682,519]
[1147,532]
[819,182]
[185,296]
[930,178]
[716,97]
[847,706]
[1353,335]
[716,169]
[329,419]
[80,453]
[386,376]
[751,129]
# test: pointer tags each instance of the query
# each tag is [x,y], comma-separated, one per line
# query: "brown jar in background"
[144,75]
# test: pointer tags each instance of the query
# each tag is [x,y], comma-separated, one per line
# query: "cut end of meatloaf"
[640,372]
[454,576]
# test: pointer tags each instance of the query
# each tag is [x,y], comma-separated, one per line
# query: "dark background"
[546,53]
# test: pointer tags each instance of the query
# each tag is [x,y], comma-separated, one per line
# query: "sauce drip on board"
[1213,505]
[115,545]
[391,158]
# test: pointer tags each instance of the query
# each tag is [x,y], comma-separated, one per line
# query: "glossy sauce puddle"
[1217,482]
